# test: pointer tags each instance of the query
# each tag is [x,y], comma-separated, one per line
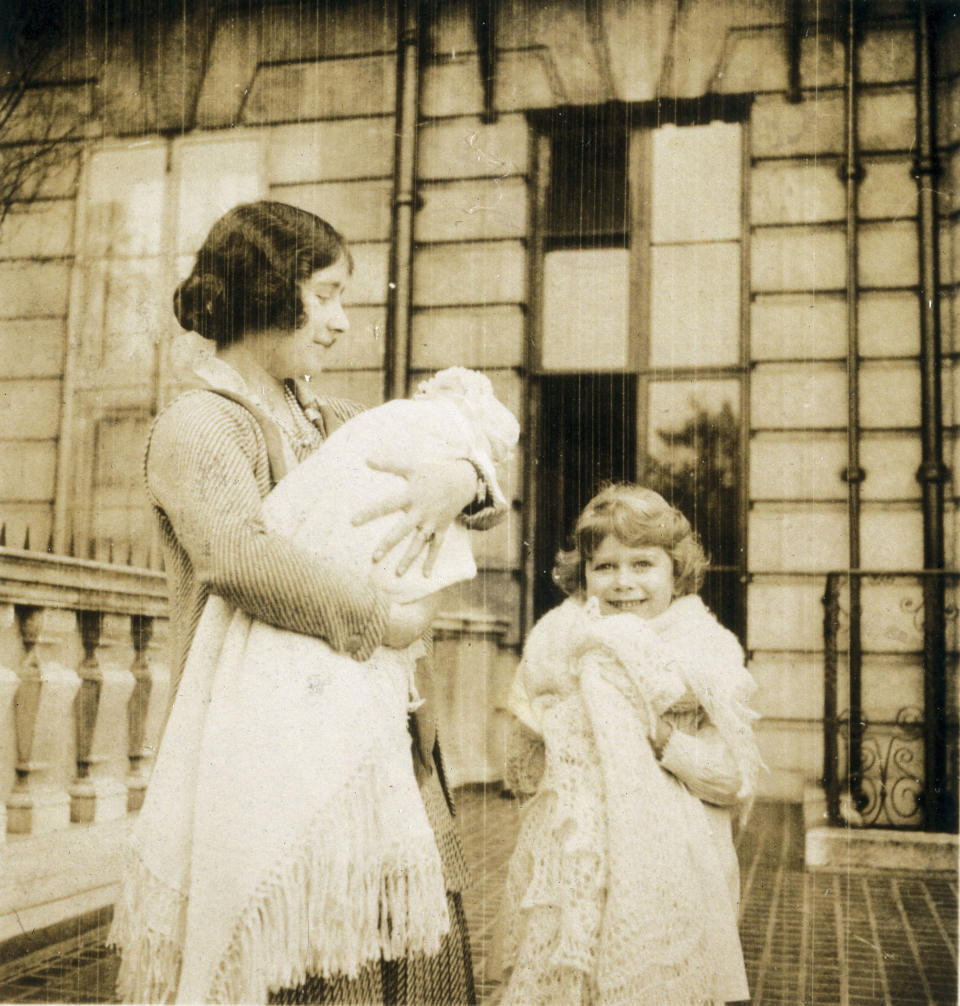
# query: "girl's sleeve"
[704,764]
[200,472]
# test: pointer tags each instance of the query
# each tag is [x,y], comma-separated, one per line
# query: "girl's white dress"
[283,833]
[619,889]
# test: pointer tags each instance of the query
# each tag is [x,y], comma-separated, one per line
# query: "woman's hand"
[436,492]
[407,622]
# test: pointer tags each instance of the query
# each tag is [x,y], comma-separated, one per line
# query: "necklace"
[304,437]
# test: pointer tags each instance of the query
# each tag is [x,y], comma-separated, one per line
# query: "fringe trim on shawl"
[151,955]
[335,905]
[319,912]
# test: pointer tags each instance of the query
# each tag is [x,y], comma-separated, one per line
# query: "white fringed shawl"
[615,896]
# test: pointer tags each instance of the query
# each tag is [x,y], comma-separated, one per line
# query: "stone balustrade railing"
[83,688]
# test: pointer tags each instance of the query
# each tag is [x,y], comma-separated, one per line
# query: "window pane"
[693,459]
[588,201]
[696,183]
[695,305]
[585,309]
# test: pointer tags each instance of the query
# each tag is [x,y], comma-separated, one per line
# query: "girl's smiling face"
[628,578]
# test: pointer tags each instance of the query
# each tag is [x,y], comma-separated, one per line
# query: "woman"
[267,288]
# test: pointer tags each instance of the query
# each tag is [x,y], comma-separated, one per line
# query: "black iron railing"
[890,719]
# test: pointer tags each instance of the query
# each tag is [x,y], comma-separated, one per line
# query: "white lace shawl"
[614,895]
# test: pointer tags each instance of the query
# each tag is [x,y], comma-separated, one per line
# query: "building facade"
[713,246]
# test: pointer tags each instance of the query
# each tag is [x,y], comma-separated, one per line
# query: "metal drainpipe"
[933,472]
[853,475]
[400,289]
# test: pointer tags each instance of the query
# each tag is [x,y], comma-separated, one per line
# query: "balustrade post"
[10,653]
[98,792]
[47,688]
[147,705]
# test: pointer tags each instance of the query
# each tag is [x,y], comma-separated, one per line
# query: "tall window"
[641,362]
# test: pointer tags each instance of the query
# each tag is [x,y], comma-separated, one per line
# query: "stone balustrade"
[84,683]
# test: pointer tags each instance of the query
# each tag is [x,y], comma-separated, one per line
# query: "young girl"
[635,736]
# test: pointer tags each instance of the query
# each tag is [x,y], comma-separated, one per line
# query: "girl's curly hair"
[247,274]
[638,517]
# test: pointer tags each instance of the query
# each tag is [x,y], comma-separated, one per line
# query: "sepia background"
[710,245]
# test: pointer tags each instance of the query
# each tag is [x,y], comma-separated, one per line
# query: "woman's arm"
[201,473]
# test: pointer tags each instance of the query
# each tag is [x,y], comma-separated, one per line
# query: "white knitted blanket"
[614,895]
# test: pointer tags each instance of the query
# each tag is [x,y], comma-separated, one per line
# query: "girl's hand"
[436,492]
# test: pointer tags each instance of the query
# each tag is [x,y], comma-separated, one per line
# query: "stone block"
[41,230]
[34,289]
[822,60]
[472,210]
[879,849]
[784,613]
[794,537]
[799,396]
[468,148]
[813,126]
[28,470]
[789,686]
[371,266]
[32,408]
[888,255]
[889,324]
[482,273]
[887,190]
[891,462]
[452,87]
[336,149]
[890,393]
[798,326]
[792,466]
[887,55]
[794,258]
[359,210]
[469,337]
[332,88]
[791,192]
[32,348]
[891,536]
[886,119]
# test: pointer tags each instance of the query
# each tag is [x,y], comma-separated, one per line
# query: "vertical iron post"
[853,475]
[400,275]
[831,760]
[933,473]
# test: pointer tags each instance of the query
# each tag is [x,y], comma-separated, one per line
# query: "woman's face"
[627,578]
[300,353]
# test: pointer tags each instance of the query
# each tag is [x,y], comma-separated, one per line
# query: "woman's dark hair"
[638,517]
[248,272]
